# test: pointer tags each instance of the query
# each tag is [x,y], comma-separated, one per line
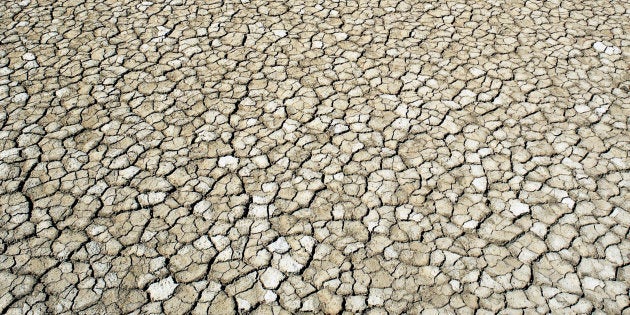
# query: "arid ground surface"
[281,157]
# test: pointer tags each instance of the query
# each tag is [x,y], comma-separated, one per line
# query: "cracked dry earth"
[273,157]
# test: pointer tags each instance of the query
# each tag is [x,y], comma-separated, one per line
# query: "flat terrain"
[282,157]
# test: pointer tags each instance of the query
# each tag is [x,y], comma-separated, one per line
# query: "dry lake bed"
[330,156]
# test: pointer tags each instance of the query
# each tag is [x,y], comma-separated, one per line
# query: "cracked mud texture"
[281,157]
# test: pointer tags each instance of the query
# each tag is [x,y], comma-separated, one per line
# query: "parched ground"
[276,157]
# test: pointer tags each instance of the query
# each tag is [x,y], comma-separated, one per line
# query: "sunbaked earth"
[277,157]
